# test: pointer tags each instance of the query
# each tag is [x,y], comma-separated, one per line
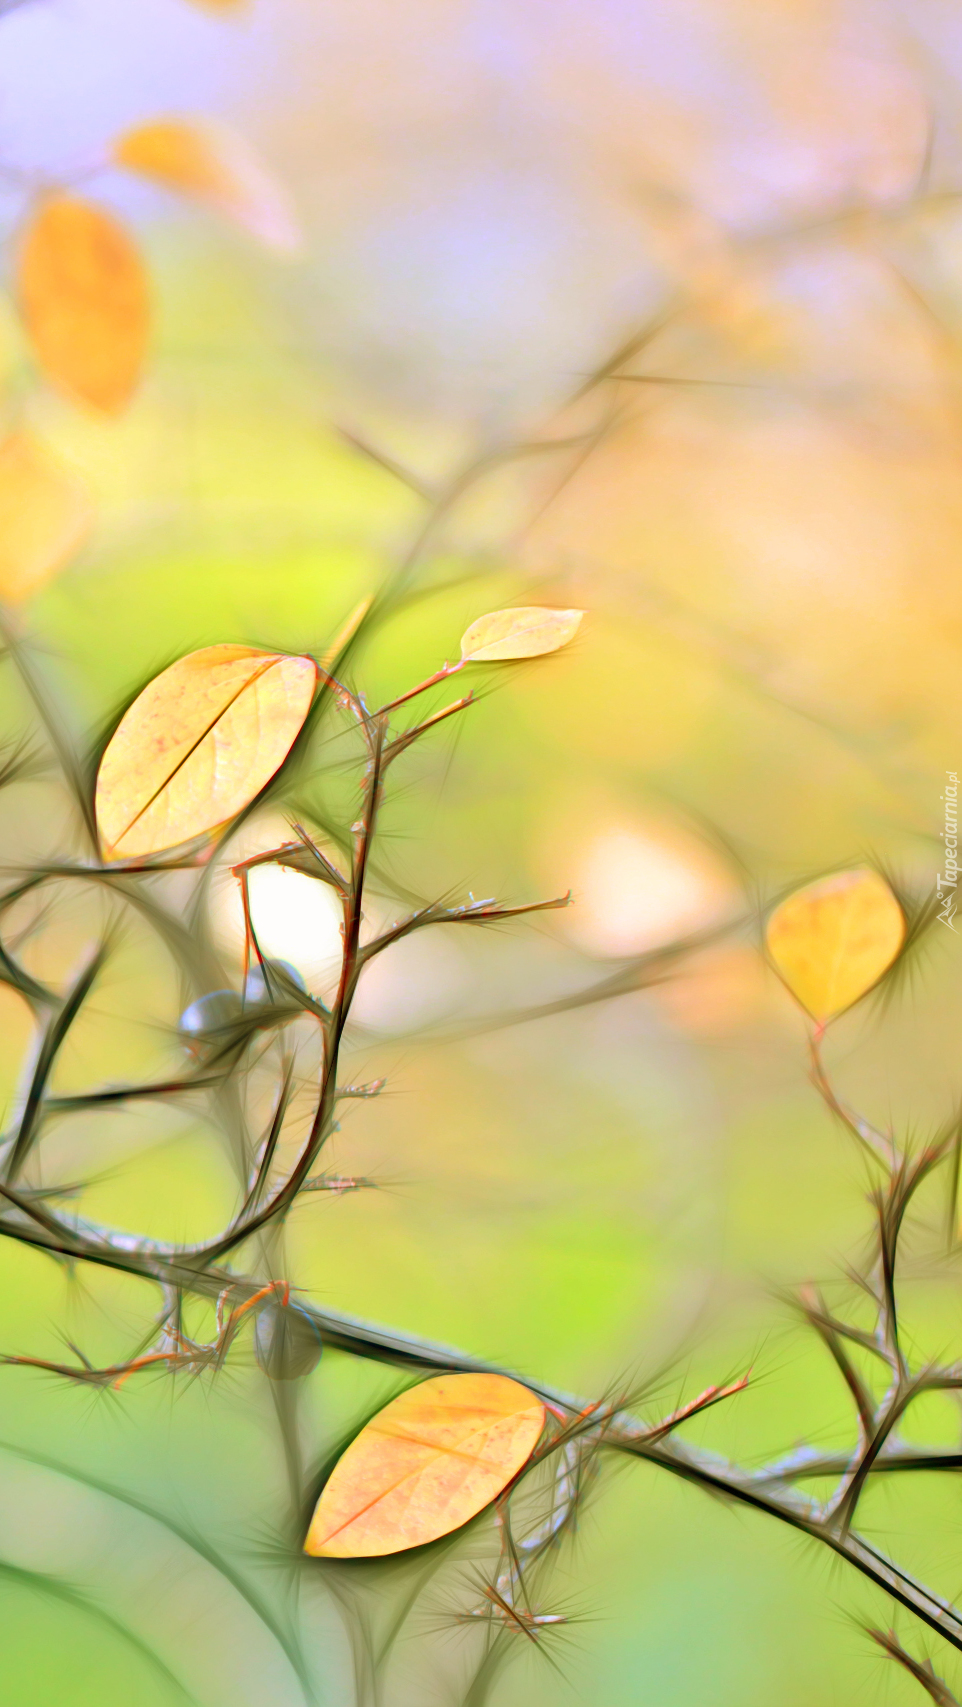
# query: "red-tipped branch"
[441,675]
[402,742]
[711,1396]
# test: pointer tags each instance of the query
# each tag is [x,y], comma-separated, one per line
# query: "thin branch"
[878,1145]
[339,1183]
[642,972]
[404,741]
[442,675]
[271,1141]
[373,1089]
[952,1196]
[704,1401]
[201,1548]
[472,913]
[364,1339]
[301,856]
[50,1047]
[131,1093]
[818,1318]
[922,1671]
[807,1462]
[388,463]
[68,758]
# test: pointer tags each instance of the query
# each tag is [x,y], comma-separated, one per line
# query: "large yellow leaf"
[432,1459]
[526,632]
[208,160]
[45,514]
[197,745]
[832,940]
[84,299]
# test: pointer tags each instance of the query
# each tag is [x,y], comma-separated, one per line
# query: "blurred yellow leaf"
[208,160]
[346,633]
[429,1461]
[45,514]
[198,745]
[526,632]
[84,300]
[220,5]
[832,940]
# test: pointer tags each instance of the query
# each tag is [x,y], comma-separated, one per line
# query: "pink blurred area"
[495,189]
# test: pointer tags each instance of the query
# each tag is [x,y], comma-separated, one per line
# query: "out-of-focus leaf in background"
[45,516]
[85,301]
[214,163]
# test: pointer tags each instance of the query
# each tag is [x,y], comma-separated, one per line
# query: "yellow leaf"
[432,1459]
[208,160]
[526,632]
[198,745]
[832,941]
[45,514]
[84,300]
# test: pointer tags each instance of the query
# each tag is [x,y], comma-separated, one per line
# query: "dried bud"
[286,1341]
[210,1014]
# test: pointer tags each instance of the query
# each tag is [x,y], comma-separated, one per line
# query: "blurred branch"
[388,463]
[641,972]
[922,1671]
[53,1040]
[402,742]
[878,1144]
[185,1534]
[63,1593]
[55,726]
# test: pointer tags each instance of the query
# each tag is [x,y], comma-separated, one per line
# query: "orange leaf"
[432,1459]
[525,632]
[832,941]
[208,160]
[84,299]
[198,745]
[45,514]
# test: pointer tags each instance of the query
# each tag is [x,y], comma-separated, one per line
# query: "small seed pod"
[258,989]
[286,1342]
[210,1014]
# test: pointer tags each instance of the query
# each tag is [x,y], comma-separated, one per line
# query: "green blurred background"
[759,206]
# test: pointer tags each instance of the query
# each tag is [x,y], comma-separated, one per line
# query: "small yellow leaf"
[210,161]
[84,300]
[429,1461]
[832,941]
[525,632]
[198,745]
[45,514]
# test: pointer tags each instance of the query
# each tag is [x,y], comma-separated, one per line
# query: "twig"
[922,1671]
